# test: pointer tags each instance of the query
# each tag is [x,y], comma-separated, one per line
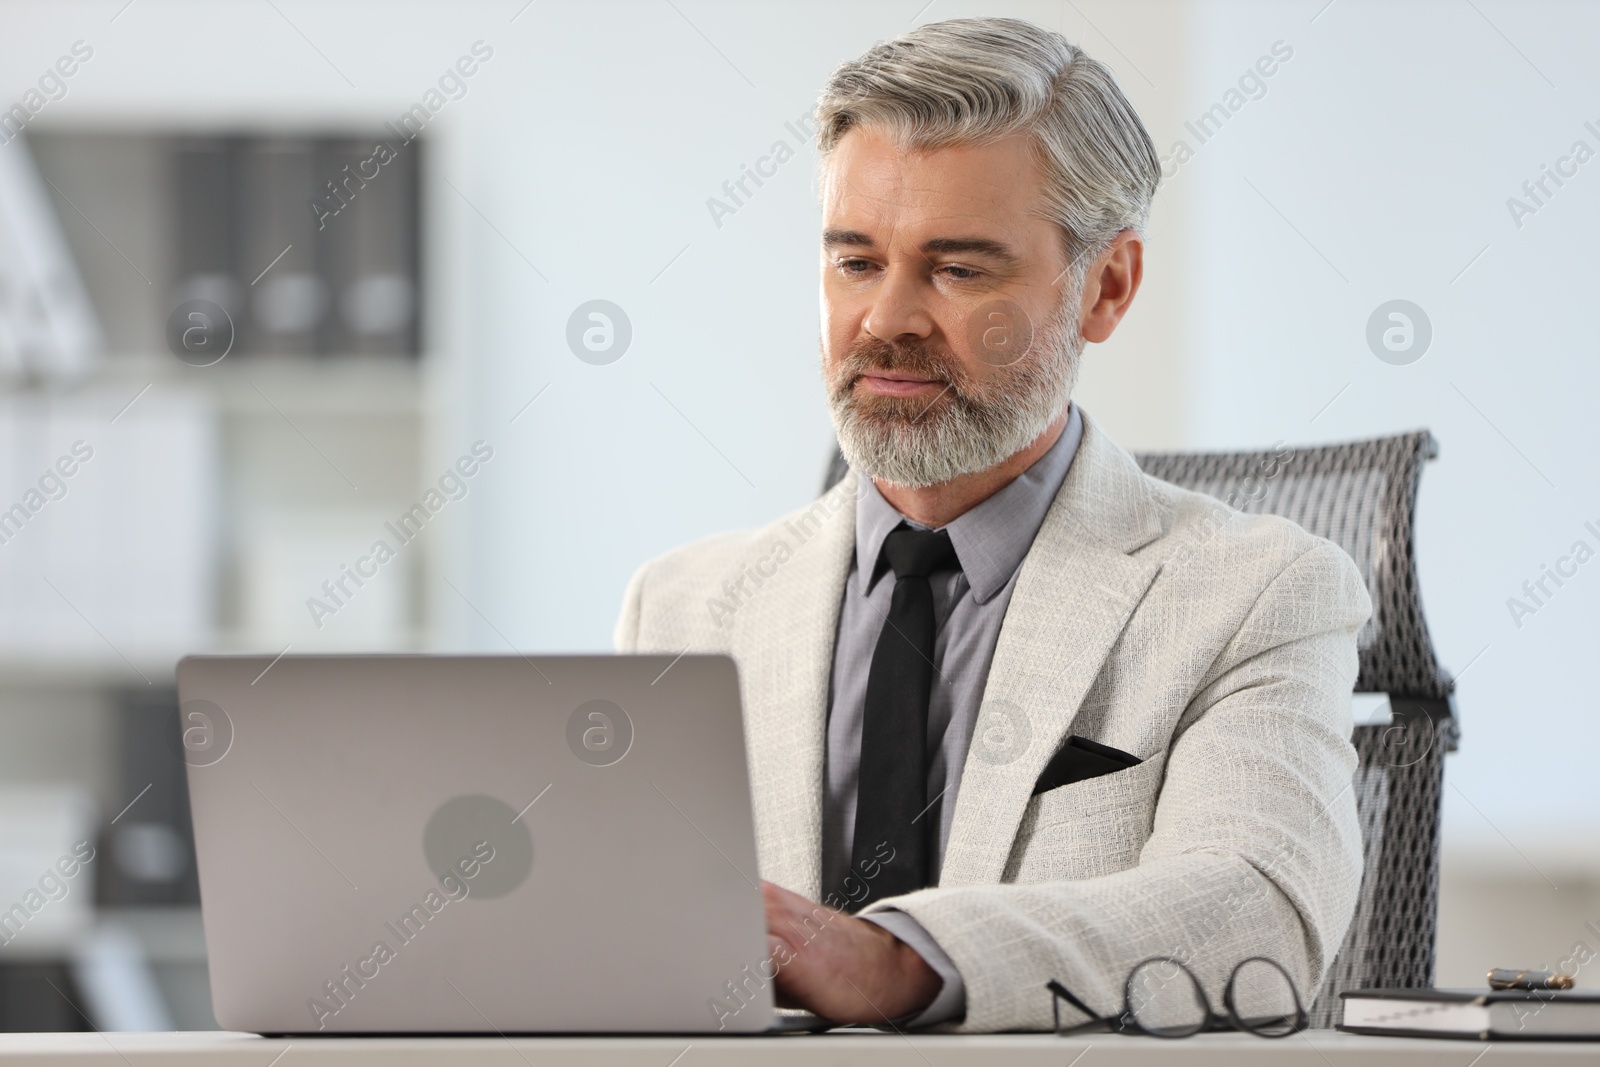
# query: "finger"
[794,918]
[777,896]
[779,912]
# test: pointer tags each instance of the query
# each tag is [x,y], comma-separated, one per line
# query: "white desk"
[1318,1048]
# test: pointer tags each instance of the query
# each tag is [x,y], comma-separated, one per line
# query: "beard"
[969,426]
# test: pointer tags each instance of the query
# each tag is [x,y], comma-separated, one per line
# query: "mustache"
[919,358]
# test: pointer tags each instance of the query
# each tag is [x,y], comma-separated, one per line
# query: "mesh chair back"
[1362,496]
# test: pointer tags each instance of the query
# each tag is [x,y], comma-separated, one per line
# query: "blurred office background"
[445,303]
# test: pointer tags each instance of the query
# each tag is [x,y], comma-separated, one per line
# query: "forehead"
[872,185]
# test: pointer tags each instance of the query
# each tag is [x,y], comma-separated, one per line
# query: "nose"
[899,309]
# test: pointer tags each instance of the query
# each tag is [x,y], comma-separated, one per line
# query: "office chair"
[1362,496]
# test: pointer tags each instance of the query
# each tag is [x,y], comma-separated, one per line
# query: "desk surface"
[1316,1048]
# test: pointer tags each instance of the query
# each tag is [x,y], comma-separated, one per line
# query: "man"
[1043,716]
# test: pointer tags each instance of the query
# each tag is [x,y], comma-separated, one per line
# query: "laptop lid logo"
[460,824]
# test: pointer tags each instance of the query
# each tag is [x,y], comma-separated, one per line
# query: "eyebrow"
[982,246]
[834,238]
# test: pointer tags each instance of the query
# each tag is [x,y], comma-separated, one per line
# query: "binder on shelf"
[287,292]
[148,853]
[367,219]
[206,219]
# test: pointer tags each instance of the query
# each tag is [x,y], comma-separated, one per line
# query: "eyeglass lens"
[1261,998]
[1165,999]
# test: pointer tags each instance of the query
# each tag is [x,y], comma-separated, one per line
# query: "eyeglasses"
[1163,998]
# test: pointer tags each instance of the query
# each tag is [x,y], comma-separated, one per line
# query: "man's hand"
[840,967]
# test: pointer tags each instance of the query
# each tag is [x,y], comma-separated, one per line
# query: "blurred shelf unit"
[313,424]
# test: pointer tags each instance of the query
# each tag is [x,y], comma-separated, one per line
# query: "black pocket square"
[1079,760]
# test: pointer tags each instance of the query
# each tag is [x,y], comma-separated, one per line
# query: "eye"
[853,266]
[959,273]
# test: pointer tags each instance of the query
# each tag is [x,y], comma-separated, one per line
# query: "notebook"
[1500,1015]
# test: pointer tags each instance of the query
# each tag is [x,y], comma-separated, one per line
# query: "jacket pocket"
[1094,827]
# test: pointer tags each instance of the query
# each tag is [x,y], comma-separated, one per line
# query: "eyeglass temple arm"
[1058,990]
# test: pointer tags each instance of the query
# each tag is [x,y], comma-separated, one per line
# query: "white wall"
[1391,142]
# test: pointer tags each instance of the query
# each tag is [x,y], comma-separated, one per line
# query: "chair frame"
[1399,779]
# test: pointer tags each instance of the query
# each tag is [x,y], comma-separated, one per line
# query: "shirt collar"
[991,539]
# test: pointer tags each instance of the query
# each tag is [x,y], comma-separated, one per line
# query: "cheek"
[840,324]
[960,331]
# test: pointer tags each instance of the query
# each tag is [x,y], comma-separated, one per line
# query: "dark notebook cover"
[1482,1014]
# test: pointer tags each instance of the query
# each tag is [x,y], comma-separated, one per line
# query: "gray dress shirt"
[990,542]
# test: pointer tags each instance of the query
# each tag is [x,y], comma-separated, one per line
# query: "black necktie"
[891,790]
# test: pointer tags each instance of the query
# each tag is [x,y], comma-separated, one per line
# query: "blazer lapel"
[782,640]
[1077,587]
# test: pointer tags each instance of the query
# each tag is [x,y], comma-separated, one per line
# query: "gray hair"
[974,81]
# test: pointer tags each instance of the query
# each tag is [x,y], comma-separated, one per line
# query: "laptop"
[476,844]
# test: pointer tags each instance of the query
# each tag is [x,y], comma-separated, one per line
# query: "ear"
[1109,286]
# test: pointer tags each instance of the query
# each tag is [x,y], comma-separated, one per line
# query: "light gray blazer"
[1218,647]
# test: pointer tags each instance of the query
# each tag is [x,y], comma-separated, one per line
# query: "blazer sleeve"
[1255,848]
